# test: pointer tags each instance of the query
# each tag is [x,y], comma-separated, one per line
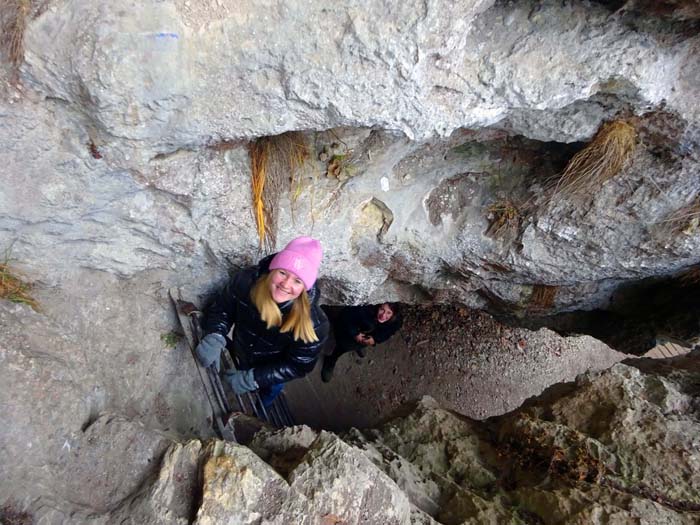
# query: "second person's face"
[285,286]
[384,313]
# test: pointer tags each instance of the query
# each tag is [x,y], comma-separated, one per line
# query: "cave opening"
[637,316]
[466,359]
[482,365]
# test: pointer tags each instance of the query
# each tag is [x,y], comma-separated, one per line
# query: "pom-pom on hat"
[302,256]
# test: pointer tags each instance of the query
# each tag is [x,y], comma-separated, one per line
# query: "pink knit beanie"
[302,256]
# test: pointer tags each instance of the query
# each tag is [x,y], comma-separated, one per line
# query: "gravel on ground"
[466,360]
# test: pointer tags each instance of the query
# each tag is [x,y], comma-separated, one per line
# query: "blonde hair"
[298,320]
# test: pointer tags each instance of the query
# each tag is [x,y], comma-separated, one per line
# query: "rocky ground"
[618,446]
[465,359]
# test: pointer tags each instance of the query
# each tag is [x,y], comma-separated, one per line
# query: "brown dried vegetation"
[11,514]
[14,17]
[504,218]
[274,160]
[532,449]
[690,277]
[678,9]
[601,160]
[14,289]
[338,157]
[685,220]
[15,14]
[543,296]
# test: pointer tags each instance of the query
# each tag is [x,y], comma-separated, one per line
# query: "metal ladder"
[224,403]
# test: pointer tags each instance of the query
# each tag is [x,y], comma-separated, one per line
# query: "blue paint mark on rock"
[165,35]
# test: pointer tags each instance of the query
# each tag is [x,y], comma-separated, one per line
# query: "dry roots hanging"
[504,217]
[14,14]
[273,161]
[599,161]
[543,296]
[685,220]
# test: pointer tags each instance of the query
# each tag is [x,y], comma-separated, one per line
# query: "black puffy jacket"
[363,319]
[276,357]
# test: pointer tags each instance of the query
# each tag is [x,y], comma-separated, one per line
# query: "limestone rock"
[113,457]
[340,481]
[44,401]
[595,505]
[420,487]
[580,453]
[126,152]
[126,171]
[562,458]
[172,497]
[58,377]
[436,66]
[239,488]
[283,449]
[440,460]
[633,426]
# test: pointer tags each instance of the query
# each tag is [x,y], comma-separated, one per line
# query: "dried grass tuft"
[259,158]
[504,217]
[14,15]
[543,296]
[14,288]
[274,161]
[685,220]
[602,159]
[14,18]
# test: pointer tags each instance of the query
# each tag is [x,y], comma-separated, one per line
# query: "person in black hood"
[360,327]
[279,329]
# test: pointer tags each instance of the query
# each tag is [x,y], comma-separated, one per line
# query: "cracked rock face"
[127,148]
[584,452]
[58,384]
[433,130]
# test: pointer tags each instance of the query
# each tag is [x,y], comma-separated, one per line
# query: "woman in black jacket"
[279,329]
[359,327]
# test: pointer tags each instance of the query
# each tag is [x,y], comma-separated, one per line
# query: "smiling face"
[385,313]
[285,286]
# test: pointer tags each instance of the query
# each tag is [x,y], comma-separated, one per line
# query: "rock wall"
[619,445]
[126,148]
[125,133]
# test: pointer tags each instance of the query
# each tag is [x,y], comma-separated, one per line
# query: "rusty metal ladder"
[223,402]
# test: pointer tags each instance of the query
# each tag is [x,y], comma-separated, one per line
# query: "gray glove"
[209,350]
[241,381]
